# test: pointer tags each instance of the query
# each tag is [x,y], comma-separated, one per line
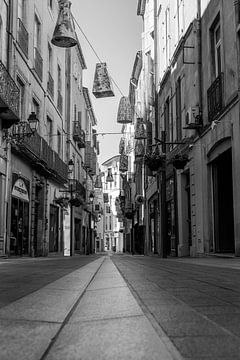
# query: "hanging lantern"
[121,146]
[102,86]
[139,149]
[109,175]
[98,182]
[123,163]
[124,115]
[105,197]
[140,129]
[64,34]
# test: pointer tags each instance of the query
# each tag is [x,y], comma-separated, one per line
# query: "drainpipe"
[8,145]
[199,44]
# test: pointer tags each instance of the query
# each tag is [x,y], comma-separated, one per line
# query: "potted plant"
[154,160]
[179,161]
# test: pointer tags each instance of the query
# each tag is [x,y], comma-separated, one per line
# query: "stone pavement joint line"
[88,314]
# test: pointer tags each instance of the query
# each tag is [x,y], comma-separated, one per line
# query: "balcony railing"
[77,187]
[50,85]
[38,63]
[9,97]
[78,134]
[60,102]
[215,98]
[22,37]
[37,149]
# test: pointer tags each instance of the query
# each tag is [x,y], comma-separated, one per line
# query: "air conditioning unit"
[192,118]
[139,199]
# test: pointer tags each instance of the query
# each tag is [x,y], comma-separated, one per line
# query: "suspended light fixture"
[109,175]
[102,86]
[123,163]
[124,115]
[140,129]
[121,146]
[98,182]
[64,33]
[139,149]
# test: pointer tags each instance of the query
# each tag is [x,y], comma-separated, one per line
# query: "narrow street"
[120,307]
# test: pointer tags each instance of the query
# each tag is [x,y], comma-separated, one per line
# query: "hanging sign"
[20,190]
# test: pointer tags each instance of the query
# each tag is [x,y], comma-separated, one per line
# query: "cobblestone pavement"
[195,301]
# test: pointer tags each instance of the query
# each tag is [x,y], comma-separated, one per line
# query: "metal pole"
[163,201]
[71,221]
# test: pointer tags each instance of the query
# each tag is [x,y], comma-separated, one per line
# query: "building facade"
[45,81]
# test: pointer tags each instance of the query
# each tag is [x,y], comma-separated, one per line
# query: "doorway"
[19,238]
[223,203]
[53,230]
[77,233]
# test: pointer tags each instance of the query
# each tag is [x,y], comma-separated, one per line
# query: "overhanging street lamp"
[25,128]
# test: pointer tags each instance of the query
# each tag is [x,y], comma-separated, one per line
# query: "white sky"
[114,30]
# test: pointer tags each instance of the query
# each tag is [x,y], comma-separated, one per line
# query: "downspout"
[8,145]
[9,33]
[199,44]
[156,70]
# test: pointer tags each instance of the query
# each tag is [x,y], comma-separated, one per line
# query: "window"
[59,143]
[49,130]
[215,33]
[106,226]
[22,10]
[178,109]
[50,58]
[50,4]
[166,122]
[21,87]
[78,170]
[110,223]
[75,112]
[37,33]
[59,78]
[36,107]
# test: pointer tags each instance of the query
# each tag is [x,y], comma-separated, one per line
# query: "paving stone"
[208,346]
[118,339]
[25,340]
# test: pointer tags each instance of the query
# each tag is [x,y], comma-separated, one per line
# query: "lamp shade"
[139,149]
[123,163]
[124,115]
[98,182]
[64,34]
[140,129]
[109,175]
[121,146]
[102,85]
[33,122]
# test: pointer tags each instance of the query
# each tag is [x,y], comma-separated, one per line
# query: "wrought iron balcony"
[60,102]
[77,187]
[9,98]
[215,98]
[50,85]
[22,37]
[38,63]
[78,134]
[60,167]
[42,156]
[47,154]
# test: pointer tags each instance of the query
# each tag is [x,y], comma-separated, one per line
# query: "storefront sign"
[20,190]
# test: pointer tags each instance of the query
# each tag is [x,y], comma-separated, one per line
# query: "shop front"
[19,232]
